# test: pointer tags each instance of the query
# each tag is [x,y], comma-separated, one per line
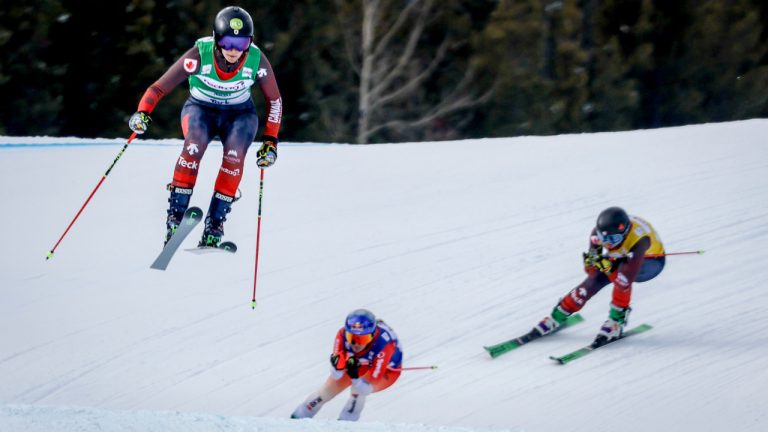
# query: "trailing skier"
[622,250]
[366,357]
[221,71]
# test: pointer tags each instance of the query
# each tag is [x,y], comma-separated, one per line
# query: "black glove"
[139,122]
[353,366]
[267,153]
[335,362]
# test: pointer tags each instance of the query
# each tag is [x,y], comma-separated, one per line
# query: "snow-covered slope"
[455,244]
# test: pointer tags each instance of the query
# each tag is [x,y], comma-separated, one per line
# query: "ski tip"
[557,359]
[494,353]
[642,327]
[194,213]
[158,266]
[228,246]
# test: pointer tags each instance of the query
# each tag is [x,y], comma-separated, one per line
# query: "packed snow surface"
[456,245]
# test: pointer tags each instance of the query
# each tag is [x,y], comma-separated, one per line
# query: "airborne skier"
[221,71]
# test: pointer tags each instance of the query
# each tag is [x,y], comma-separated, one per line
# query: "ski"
[581,352]
[191,218]
[226,246]
[505,347]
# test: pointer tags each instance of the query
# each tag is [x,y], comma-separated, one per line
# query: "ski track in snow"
[452,255]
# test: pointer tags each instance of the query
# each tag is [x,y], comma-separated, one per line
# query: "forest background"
[365,71]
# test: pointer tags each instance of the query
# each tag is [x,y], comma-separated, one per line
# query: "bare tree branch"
[370,9]
[402,18]
[407,54]
[392,68]
[450,104]
[348,37]
[411,85]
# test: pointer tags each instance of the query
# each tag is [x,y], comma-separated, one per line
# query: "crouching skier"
[623,249]
[366,356]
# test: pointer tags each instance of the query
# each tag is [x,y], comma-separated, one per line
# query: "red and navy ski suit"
[379,368]
[236,125]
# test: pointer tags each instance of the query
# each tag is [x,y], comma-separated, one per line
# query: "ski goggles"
[610,239]
[239,43]
[355,339]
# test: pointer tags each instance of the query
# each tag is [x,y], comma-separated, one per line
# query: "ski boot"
[214,222]
[551,322]
[179,201]
[613,328]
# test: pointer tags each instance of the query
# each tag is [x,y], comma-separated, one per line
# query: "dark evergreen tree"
[31,82]
[79,67]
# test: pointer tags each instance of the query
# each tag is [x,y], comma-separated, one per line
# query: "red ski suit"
[375,361]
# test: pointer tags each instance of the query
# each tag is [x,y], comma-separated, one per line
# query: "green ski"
[505,347]
[589,348]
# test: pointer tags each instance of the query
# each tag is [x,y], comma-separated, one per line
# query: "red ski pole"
[258,237]
[50,254]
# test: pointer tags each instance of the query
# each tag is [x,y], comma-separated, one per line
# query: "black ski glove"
[353,366]
[336,363]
